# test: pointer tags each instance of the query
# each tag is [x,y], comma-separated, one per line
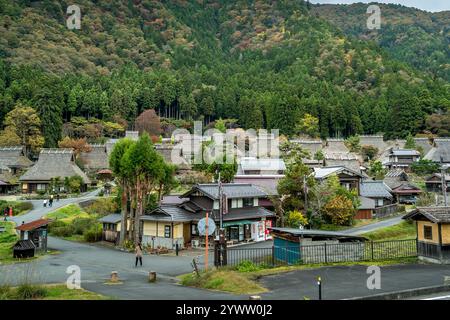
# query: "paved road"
[343,282]
[39,211]
[436,296]
[373,226]
[96,264]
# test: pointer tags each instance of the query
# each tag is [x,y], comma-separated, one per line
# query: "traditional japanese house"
[348,178]
[406,193]
[52,163]
[244,219]
[434,182]
[96,159]
[402,158]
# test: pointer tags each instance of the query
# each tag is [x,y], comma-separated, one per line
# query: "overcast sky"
[429,5]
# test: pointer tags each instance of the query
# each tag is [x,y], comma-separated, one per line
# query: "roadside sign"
[202,226]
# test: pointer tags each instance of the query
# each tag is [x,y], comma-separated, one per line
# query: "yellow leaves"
[340,210]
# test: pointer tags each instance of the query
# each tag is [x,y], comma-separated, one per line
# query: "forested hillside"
[266,63]
[417,37]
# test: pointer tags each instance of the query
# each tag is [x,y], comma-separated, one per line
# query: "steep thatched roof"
[13,157]
[54,163]
[96,159]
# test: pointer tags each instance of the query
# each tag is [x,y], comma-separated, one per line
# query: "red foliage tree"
[148,121]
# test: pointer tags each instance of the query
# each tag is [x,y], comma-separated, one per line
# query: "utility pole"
[222,240]
[305,191]
[444,185]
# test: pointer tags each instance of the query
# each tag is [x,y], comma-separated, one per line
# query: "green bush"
[5,292]
[66,231]
[93,234]
[29,291]
[80,225]
[102,207]
[55,225]
[247,266]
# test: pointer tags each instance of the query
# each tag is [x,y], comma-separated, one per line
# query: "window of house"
[167,232]
[379,202]
[236,203]
[41,186]
[194,229]
[248,202]
[428,232]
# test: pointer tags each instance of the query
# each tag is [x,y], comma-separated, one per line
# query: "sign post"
[206,227]
[206,243]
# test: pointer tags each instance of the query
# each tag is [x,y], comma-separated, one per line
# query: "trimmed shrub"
[246,266]
[93,234]
[29,291]
[80,225]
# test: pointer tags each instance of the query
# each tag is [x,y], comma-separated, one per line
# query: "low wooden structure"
[24,249]
[111,227]
[35,231]
[433,233]
[293,246]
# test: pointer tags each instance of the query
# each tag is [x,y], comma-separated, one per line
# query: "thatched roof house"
[13,159]
[96,159]
[52,163]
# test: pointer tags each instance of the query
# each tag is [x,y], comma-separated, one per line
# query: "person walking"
[138,250]
[6,217]
[57,197]
[51,200]
[45,203]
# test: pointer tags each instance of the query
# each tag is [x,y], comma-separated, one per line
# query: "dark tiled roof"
[374,189]
[24,245]
[230,190]
[175,213]
[267,183]
[54,163]
[366,203]
[111,218]
[169,213]
[434,214]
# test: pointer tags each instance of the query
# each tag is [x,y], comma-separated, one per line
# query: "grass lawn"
[403,230]
[232,280]
[7,239]
[223,280]
[47,292]
[68,213]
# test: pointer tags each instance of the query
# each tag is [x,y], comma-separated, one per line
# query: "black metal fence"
[324,252]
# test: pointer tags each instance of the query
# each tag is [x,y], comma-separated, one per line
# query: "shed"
[111,227]
[36,231]
[433,233]
[24,249]
[316,246]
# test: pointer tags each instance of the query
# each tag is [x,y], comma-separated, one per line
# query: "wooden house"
[433,233]
[52,163]
[244,219]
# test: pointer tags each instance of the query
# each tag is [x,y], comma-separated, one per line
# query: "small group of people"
[50,200]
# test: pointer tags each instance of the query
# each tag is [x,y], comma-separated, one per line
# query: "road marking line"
[437,298]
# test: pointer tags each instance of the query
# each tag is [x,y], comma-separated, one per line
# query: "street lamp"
[319,284]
